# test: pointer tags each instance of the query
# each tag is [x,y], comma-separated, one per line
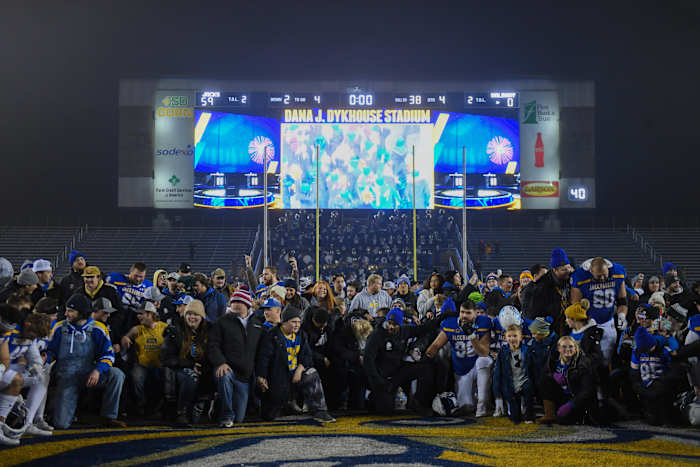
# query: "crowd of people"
[377,244]
[571,343]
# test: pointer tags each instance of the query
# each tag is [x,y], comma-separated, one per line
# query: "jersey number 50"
[603,298]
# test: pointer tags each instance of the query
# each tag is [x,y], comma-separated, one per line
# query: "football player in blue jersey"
[602,282]
[131,288]
[470,337]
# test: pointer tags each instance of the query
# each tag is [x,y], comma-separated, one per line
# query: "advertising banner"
[539,149]
[173,150]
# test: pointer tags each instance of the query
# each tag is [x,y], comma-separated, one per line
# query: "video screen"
[362,165]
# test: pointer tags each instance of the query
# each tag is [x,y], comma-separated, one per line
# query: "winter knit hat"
[657,297]
[577,311]
[476,297]
[646,311]
[539,326]
[559,258]
[27,277]
[670,278]
[80,303]
[645,341]
[291,284]
[667,267]
[75,254]
[527,274]
[395,315]
[290,313]
[196,307]
[241,296]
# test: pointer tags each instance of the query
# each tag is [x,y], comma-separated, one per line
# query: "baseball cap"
[41,265]
[218,272]
[147,306]
[152,293]
[91,271]
[173,275]
[185,267]
[389,285]
[183,300]
[103,304]
[271,303]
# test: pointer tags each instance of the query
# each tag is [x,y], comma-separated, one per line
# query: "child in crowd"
[511,381]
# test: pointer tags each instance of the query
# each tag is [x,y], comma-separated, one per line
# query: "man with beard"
[74,280]
[470,339]
[132,287]
[218,282]
[678,294]
[269,277]
[46,287]
[551,294]
[76,344]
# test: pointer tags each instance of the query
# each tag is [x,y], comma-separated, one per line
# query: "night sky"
[61,66]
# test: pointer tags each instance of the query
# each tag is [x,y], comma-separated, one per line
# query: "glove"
[500,410]
[448,306]
[468,328]
[559,378]
[621,322]
[565,409]
[36,369]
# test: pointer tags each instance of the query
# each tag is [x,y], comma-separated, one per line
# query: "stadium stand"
[680,246]
[520,247]
[115,249]
[30,242]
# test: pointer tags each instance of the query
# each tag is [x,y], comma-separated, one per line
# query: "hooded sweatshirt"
[77,348]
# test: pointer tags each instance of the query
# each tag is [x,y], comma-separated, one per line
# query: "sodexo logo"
[175,152]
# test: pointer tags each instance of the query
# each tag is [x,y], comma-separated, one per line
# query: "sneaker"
[11,432]
[7,441]
[36,431]
[323,416]
[42,425]
[228,423]
[480,410]
[112,423]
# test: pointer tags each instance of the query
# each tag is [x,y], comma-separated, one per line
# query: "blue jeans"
[139,376]
[234,397]
[68,389]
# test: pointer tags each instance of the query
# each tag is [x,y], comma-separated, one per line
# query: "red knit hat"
[241,296]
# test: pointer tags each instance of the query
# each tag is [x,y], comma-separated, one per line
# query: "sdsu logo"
[188,151]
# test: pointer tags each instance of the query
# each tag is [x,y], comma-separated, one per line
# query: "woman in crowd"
[322,296]
[184,352]
[568,389]
[426,299]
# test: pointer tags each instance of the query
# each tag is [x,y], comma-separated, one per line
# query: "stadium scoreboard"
[221,100]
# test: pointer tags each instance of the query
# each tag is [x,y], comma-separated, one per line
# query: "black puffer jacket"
[579,379]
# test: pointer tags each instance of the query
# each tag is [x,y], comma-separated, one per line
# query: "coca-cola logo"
[540,189]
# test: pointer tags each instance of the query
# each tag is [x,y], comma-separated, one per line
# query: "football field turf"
[364,440]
